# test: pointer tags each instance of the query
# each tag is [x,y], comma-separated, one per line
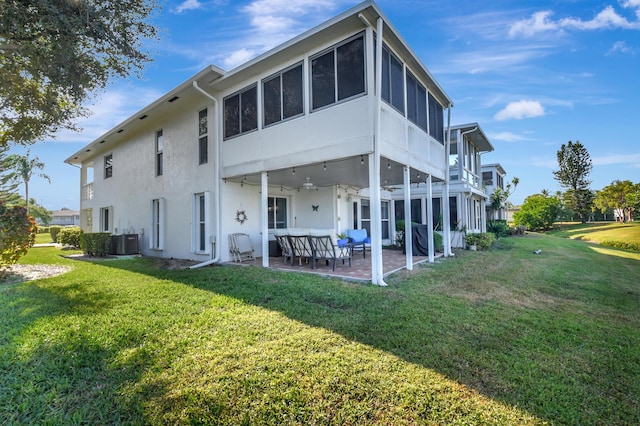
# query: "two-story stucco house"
[492,178]
[308,134]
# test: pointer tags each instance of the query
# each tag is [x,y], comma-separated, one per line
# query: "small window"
[277,212]
[200,228]
[159,148]
[108,166]
[282,96]
[156,241]
[106,218]
[241,112]
[203,138]
[338,74]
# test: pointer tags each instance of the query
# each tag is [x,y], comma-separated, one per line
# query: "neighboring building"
[296,137]
[493,177]
[65,217]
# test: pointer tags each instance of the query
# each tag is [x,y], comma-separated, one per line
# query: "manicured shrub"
[70,236]
[625,245]
[43,230]
[499,228]
[17,233]
[482,241]
[54,230]
[95,243]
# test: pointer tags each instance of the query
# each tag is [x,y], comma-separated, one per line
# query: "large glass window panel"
[397,84]
[232,116]
[249,104]
[386,75]
[422,107]
[271,100]
[350,67]
[412,105]
[436,119]
[292,96]
[277,212]
[323,80]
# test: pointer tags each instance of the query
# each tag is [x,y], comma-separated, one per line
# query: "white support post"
[264,181]
[407,218]
[430,221]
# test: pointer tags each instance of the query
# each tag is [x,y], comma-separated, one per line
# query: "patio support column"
[407,218]
[432,247]
[446,220]
[264,219]
[377,275]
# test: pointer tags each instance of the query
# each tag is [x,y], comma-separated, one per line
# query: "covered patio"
[360,270]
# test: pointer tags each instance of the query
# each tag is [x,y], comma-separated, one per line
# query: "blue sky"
[533,74]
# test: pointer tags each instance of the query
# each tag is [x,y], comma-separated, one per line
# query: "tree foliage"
[575,164]
[499,198]
[538,212]
[55,53]
[621,196]
[17,233]
[22,168]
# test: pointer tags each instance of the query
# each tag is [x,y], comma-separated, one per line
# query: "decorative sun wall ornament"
[241,216]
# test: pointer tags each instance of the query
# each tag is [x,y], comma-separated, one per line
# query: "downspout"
[216,183]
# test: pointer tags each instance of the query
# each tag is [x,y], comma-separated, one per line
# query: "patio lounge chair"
[360,240]
[325,247]
[240,247]
[300,246]
[282,237]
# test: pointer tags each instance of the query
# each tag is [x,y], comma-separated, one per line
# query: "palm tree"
[23,168]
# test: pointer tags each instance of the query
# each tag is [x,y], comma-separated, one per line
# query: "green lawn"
[497,337]
[600,231]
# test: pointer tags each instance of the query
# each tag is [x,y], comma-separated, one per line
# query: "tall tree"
[23,169]
[573,175]
[618,196]
[55,53]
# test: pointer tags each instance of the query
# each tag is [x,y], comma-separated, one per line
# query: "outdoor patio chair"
[300,247]
[359,239]
[285,245]
[241,247]
[324,247]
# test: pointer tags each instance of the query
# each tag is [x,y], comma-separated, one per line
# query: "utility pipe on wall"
[216,182]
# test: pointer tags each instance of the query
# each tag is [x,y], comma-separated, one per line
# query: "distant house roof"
[65,213]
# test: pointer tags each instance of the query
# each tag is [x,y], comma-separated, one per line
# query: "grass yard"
[600,231]
[502,337]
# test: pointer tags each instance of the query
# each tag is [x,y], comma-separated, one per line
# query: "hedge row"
[622,245]
[95,243]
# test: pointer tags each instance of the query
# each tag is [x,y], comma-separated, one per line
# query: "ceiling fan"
[308,185]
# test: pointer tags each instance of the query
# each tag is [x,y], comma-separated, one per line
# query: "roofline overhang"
[476,134]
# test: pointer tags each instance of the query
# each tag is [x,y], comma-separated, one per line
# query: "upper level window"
[416,102]
[392,79]
[159,148]
[436,120]
[487,178]
[108,166]
[241,112]
[282,95]
[203,137]
[338,74]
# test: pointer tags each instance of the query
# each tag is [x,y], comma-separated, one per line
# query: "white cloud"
[507,137]
[607,18]
[519,110]
[110,108]
[621,47]
[613,159]
[275,21]
[188,5]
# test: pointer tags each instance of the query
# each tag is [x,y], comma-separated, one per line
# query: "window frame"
[106,219]
[240,111]
[333,50]
[420,100]
[201,223]
[157,238]
[437,119]
[159,149]
[388,91]
[108,166]
[272,213]
[203,136]
[280,77]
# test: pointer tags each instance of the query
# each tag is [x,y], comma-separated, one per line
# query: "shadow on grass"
[560,363]
[56,368]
